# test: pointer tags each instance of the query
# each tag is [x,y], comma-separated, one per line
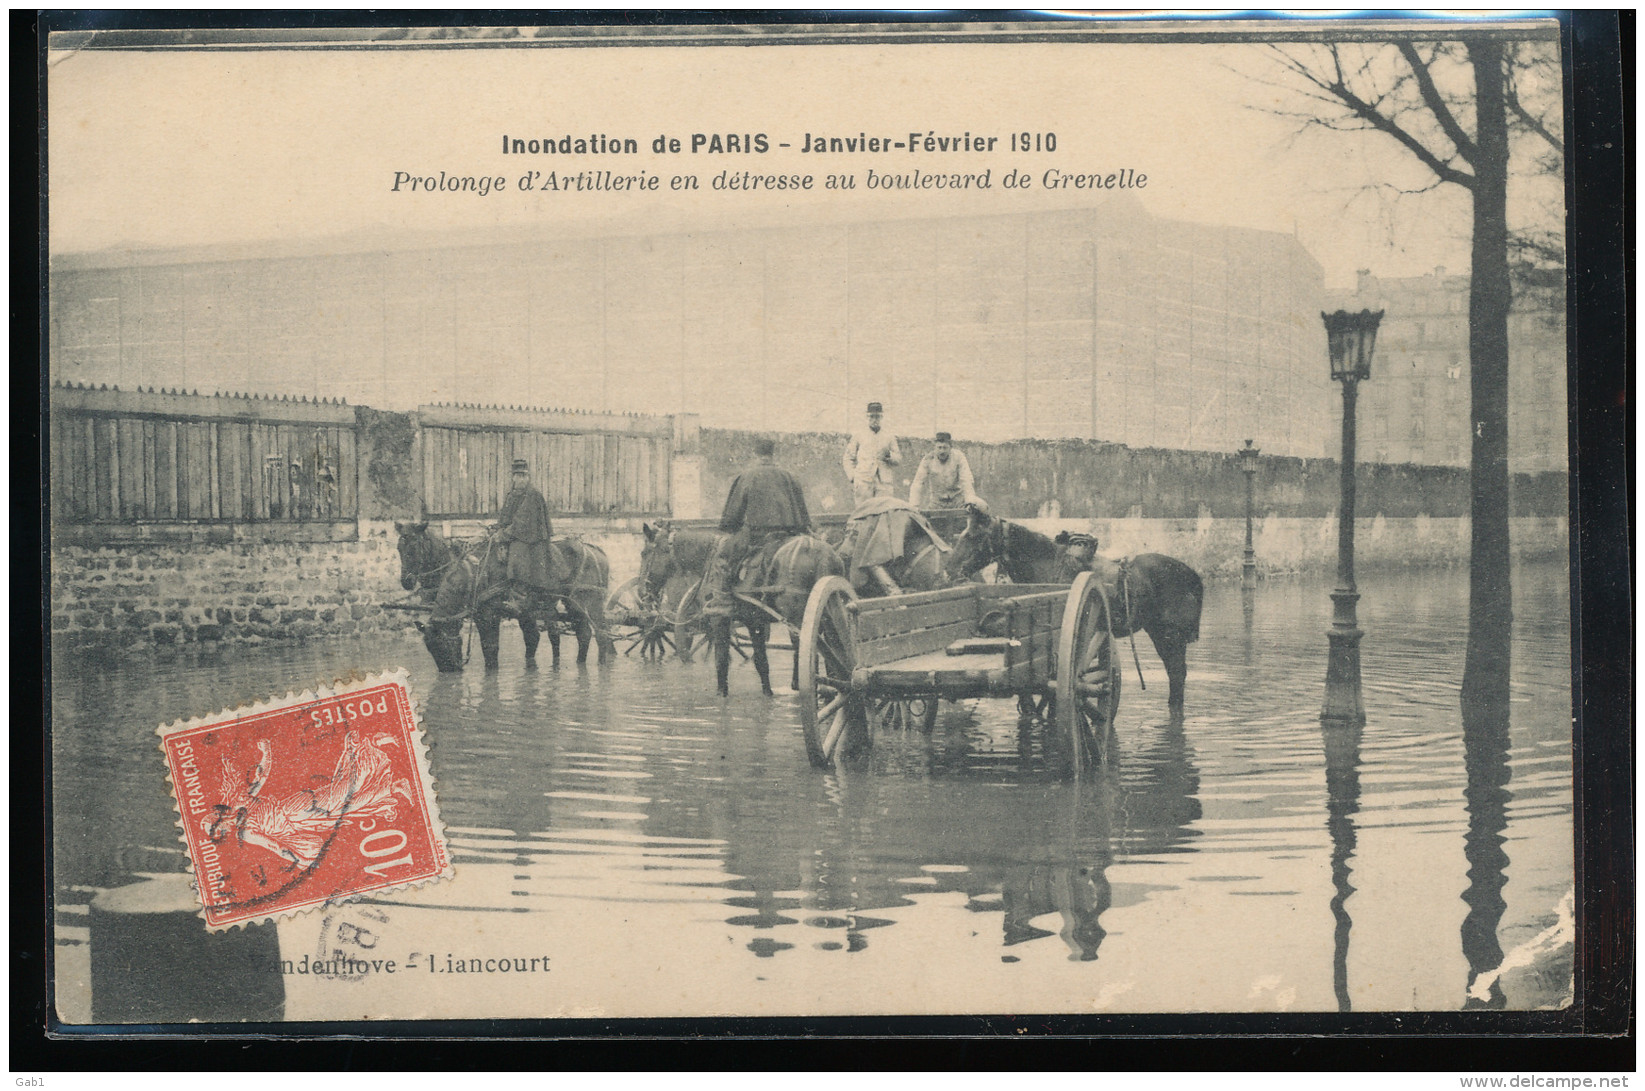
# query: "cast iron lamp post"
[1351,338]
[1248,465]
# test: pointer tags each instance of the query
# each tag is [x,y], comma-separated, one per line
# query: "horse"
[795,567]
[460,580]
[1150,592]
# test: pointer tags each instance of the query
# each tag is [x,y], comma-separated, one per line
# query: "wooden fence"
[147,456]
[583,463]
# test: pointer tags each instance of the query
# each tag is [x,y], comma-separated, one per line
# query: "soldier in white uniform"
[869,458]
[944,478]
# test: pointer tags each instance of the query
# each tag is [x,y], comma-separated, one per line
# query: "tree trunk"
[1490,601]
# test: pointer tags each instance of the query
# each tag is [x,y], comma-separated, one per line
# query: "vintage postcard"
[868,519]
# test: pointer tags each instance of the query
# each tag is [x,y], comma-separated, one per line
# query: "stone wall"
[1285,546]
[156,585]
[1028,479]
[164,593]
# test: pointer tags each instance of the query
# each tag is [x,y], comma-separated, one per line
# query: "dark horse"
[798,564]
[462,581]
[1151,593]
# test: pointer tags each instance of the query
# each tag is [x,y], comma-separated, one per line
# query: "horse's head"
[1076,552]
[419,556]
[444,641]
[657,561]
[982,543]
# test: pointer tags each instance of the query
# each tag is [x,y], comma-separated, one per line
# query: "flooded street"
[673,853]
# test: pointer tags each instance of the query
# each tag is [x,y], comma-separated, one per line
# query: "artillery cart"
[1051,646]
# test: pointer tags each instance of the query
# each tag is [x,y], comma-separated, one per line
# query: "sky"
[182,149]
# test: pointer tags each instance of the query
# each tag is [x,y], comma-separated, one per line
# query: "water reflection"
[1485,739]
[1341,804]
[1248,618]
[636,795]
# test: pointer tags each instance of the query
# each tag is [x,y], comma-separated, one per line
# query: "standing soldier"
[524,530]
[765,501]
[944,478]
[869,457]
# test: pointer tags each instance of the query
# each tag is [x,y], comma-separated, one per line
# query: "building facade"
[1104,323]
[1415,408]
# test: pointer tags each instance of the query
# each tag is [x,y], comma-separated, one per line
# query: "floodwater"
[669,853]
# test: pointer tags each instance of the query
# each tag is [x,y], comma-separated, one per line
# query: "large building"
[1415,406]
[1103,323]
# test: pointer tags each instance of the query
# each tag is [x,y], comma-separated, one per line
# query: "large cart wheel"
[1088,670]
[634,619]
[625,606]
[830,711]
[685,616]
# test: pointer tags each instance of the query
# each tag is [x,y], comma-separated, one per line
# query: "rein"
[1125,591]
[474,599]
[423,577]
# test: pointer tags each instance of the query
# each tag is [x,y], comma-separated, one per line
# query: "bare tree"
[1466,109]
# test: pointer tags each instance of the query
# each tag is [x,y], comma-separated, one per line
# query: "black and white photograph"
[919,519]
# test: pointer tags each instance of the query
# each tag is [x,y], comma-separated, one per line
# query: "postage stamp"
[305,801]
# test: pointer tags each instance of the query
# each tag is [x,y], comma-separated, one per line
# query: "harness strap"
[1125,590]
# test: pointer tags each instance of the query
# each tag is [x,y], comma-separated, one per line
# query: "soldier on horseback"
[523,531]
[766,505]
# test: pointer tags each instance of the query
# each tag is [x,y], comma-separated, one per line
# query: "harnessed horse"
[795,566]
[1151,592]
[465,580]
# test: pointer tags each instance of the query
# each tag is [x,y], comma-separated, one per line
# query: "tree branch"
[1376,120]
[1436,102]
[1518,110]
[1336,86]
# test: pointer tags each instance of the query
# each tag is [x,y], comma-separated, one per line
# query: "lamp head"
[1351,338]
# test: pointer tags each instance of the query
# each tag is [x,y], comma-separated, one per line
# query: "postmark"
[305,801]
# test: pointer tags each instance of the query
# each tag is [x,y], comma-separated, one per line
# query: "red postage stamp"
[305,801]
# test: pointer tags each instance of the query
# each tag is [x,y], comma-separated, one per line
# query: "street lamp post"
[1351,338]
[1248,465]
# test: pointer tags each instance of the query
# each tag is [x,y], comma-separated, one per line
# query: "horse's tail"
[1199,603]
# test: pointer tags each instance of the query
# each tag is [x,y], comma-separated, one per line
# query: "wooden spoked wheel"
[686,617]
[1088,672]
[625,606]
[636,620]
[830,711]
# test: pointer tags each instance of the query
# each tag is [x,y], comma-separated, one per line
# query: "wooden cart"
[1051,646]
